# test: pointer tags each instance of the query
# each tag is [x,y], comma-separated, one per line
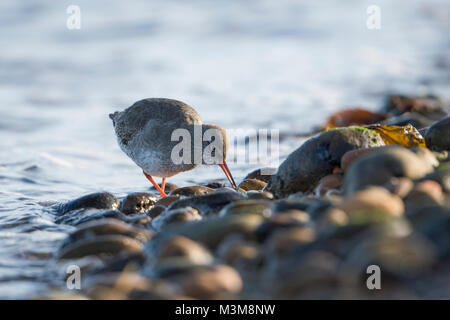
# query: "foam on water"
[280,64]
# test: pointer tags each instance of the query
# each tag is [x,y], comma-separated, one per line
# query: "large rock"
[378,168]
[317,157]
[438,135]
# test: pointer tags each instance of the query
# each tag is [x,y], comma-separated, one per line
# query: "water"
[249,64]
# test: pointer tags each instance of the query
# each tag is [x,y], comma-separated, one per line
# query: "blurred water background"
[280,64]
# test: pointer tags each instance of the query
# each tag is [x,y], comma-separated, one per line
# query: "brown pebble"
[180,246]
[400,186]
[371,200]
[282,241]
[218,282]
[252,184]
[350,156]
[191,191]
[166,201]
[329,182]
[156,211]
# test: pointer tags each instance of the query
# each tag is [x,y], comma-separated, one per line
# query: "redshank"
[145,133]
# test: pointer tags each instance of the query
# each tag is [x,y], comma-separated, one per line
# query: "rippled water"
[242,64]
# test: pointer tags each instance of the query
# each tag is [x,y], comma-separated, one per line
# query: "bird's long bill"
[228,173]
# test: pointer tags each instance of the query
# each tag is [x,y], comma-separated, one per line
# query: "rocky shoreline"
[370,189]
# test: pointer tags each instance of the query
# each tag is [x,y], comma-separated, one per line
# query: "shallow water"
[250,64]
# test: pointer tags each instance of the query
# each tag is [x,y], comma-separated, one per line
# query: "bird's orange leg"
[161,191]
[163,184]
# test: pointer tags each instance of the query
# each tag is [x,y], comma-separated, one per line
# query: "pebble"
[138,202]
[399,186]
[263,174]
[208,203]
[438,135]
[237,252]
[98,200]
[283,220]
[377,168]
[261,207]
[76,217]
[327,183]
[252,184]
[108,226]
[281,242]
[212,230]
[156,211]
[351,156]
[260,195]
[167,201]
[218,282]
[175,216]
[372,205]
[191,191]
[182,247]
[105,245]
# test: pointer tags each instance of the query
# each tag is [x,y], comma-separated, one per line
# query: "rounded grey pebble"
[98,200]
[138,202]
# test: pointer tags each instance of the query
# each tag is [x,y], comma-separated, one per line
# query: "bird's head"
[215,147]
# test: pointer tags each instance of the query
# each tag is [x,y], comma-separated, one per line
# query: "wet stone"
[442,176]
[317,157]
[208,203]
[379,167]
[76,217]
[399,186]
[261,207]
[263,174]
[327,183]
[138,202]
[217,282]
[182,247]
[351,156]
[252,184]
[281,242]
[105,245]
[108,226]
[438,135]
[260,195]
[237,252]
[166,201]
[374,204]
[212,230]
[282,221]
[125,261]
[98,200]
[175,216]
[215,185]
[155,211]
[191,191]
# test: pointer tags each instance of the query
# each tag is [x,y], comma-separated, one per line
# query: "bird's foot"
[160,190]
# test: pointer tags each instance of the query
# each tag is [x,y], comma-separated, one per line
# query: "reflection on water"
[248,64]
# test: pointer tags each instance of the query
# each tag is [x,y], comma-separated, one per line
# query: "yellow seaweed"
[407,136]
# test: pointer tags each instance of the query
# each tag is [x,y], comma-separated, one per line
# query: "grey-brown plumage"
[144,132]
